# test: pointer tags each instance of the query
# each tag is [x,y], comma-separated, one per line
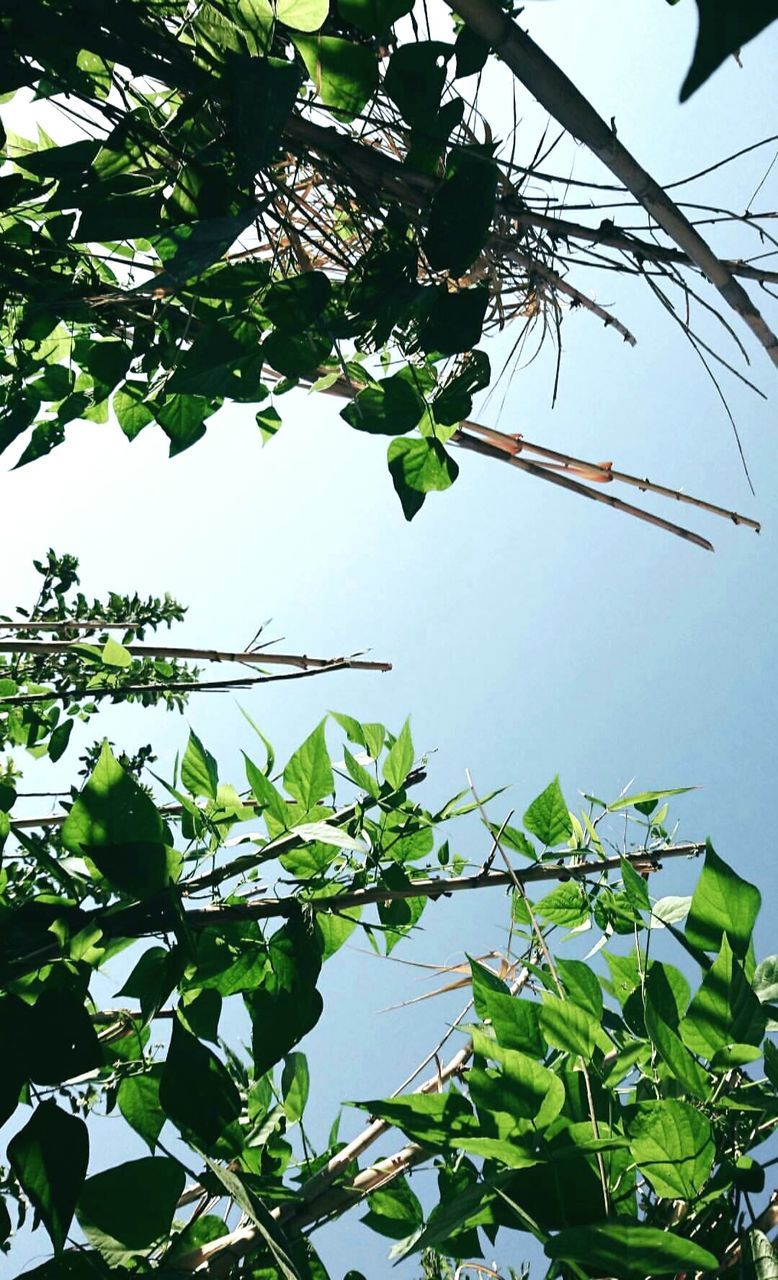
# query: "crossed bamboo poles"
[565,470]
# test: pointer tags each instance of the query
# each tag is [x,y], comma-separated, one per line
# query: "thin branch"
[255,657]
[169,686]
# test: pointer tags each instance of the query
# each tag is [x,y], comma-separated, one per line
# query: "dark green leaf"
[722,903]
[138,1100]
[628,1250]
[724,29]
[49,1157]
[462,211]
[112,809]
[455,321]
[391,407]
[196,1091]
[130,1207]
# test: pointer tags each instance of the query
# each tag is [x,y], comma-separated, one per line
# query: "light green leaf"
[764,1258]
[302,15]
[669,910]
[566,905]
[265,794]
[344,74]
[765,981]
[673,1145]
[115,654]
[645,797]
[308,774]
[548,817]
[399,760]
[199,772]
[419,467]
[568,1027]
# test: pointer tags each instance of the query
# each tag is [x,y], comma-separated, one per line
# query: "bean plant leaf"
[673,1145]
[199,772]
[131,1206]
[723,902]
[629,1251]
[548,817]
[49,1156]
[112,809]
[196,1091]
[308,775]
[419,467]
[723,30]
[399,760]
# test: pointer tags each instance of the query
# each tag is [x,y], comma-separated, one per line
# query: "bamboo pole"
[560,97]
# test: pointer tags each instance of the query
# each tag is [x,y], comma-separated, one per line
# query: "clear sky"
[531,633]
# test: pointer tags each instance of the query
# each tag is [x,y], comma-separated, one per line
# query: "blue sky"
[532,633]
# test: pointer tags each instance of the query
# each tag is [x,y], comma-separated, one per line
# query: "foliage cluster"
[616,1113]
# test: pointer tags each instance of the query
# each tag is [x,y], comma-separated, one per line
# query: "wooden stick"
[249,657]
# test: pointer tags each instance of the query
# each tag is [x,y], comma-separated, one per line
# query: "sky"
[531,633]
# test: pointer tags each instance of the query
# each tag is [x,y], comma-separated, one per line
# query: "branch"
[256,657]
[559,96]
[171,686]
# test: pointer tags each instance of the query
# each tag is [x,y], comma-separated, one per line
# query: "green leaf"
[254,1209]
[670,910]
[196,1091]
[566,905]
[112,809]
[515,1021]
[635,887]
[580,983]
[461,212]
[724,29]
[295,1084]
[199,772]
[308,774]
[725,1010]
[137,868]
[59,740]
[526,1089]
[415,78]
[182,418]
[287,1006]
[645,798]
[762,1255]
[722,903]
[269,422]
[138,1101]
[671,1048]
[374,16]
[435,1120]
[360,774]
[131,409]
[391,407]
[568,1027]
[548,817]
[131,1206]
[265,794]
[455,321]
[115,654]
[399,760]
[419,467]
[673,1145]
[344,74]
[629,1251]
[298,302]
[49,1156]
[394,1210]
